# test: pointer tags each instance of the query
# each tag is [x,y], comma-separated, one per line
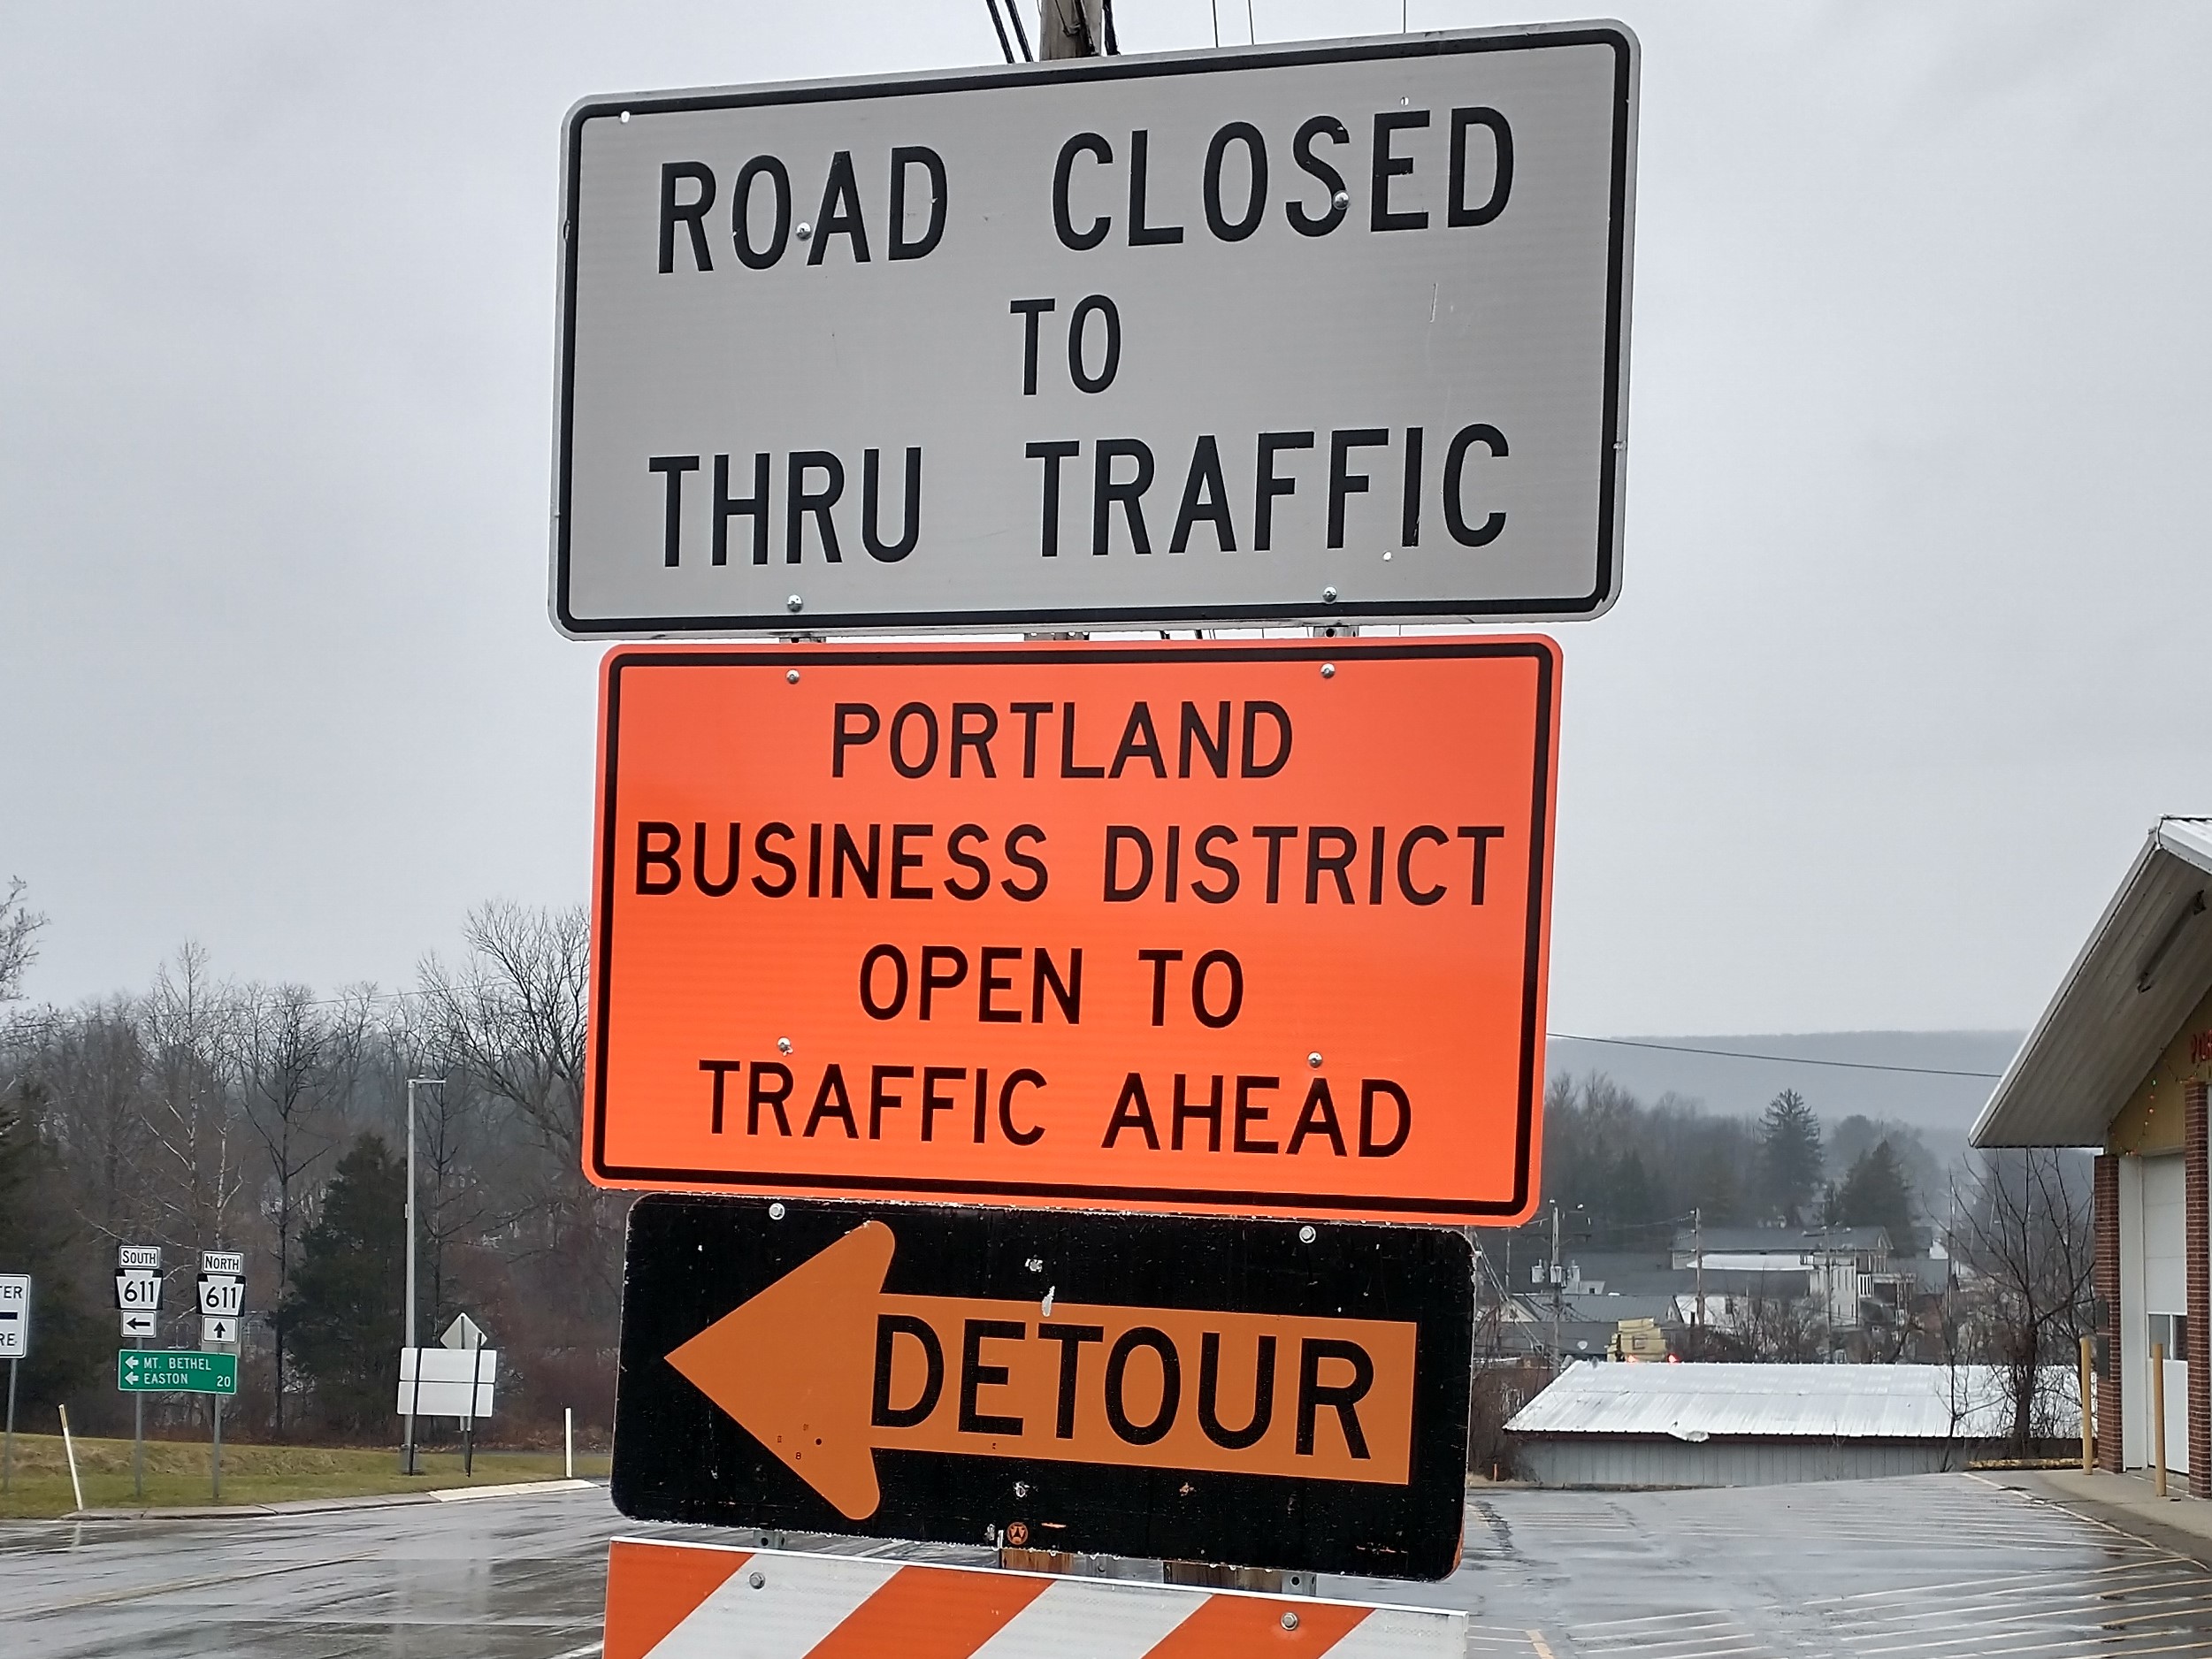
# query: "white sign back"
[1323,330]
[15,1316]
[439,1382]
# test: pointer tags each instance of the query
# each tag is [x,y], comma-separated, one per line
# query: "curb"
[323,1506]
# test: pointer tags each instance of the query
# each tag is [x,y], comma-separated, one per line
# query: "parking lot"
[1950,1567]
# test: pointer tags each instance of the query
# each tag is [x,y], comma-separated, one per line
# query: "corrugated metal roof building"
[1740,1426]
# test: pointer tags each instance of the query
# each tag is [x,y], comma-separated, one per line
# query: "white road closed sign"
[1325,331]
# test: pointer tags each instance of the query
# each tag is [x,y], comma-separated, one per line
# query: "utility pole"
[407,1339]
[1697,1249]
[1559,1292]
[1076,28]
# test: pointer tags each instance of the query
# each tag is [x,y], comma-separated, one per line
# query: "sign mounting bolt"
[1341,199]
[805,233]
[1307,1233]
[1328,596]
[776,1211]
[792,677]
[1328,670]
[794,603]
[1289,1620]
[1314,1060]
[782,1046]
[757,1580]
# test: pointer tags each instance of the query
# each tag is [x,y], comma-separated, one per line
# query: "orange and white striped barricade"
[712,1601]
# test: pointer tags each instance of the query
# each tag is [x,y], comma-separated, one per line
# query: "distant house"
[1832,1268]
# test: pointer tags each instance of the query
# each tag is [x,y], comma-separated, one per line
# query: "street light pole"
[407,1340]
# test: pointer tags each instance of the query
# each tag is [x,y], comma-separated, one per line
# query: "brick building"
[2119,1062]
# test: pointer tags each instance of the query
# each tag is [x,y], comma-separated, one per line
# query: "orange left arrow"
[794,1365]
[823,1368]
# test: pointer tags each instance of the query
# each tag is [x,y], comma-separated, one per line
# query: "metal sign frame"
[1608,462]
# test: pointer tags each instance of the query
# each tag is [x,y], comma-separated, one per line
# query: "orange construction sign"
[1255,927]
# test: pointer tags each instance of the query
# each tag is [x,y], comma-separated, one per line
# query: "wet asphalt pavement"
[1937,1567]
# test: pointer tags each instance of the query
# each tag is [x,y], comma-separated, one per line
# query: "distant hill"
[1729,1081]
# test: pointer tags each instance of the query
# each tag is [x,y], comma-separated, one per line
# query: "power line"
[1005,45]
[1781,1059]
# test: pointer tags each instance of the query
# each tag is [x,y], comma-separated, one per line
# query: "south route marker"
[1249,928]
[1324,330]
[1172,1386]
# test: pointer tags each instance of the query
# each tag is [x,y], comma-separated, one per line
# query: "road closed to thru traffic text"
[1314,329]
[1257,927]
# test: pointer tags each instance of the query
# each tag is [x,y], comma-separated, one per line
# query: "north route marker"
[1327,329]
[1175,1386]
[1254,927]
[175,1370]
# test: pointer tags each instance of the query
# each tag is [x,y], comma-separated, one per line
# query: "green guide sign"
[167,1371]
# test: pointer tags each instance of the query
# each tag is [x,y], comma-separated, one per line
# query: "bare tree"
[18,940]
[513,1014]
[88,1072]
[511,1018]
[187,1022]
[291,1054]
[454,1128]
[2029,1242]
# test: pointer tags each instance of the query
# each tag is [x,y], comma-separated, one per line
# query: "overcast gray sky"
[1908,654]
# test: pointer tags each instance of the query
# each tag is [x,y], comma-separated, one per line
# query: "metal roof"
[2147,962]
[1780,1241]
[1699,1403]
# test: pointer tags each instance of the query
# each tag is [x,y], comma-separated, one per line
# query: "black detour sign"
[1260,1393]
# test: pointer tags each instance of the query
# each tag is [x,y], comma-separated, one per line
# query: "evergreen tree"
[38,1236]
[1633,1203]
[1789,1153]
[345,1307]
[1877,1193]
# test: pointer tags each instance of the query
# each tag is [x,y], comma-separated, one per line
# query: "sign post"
[465,1336]
[1186,1388]
[1331,330]
[222,1309]
[1243,943]
[138,1295]
[15,1344]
